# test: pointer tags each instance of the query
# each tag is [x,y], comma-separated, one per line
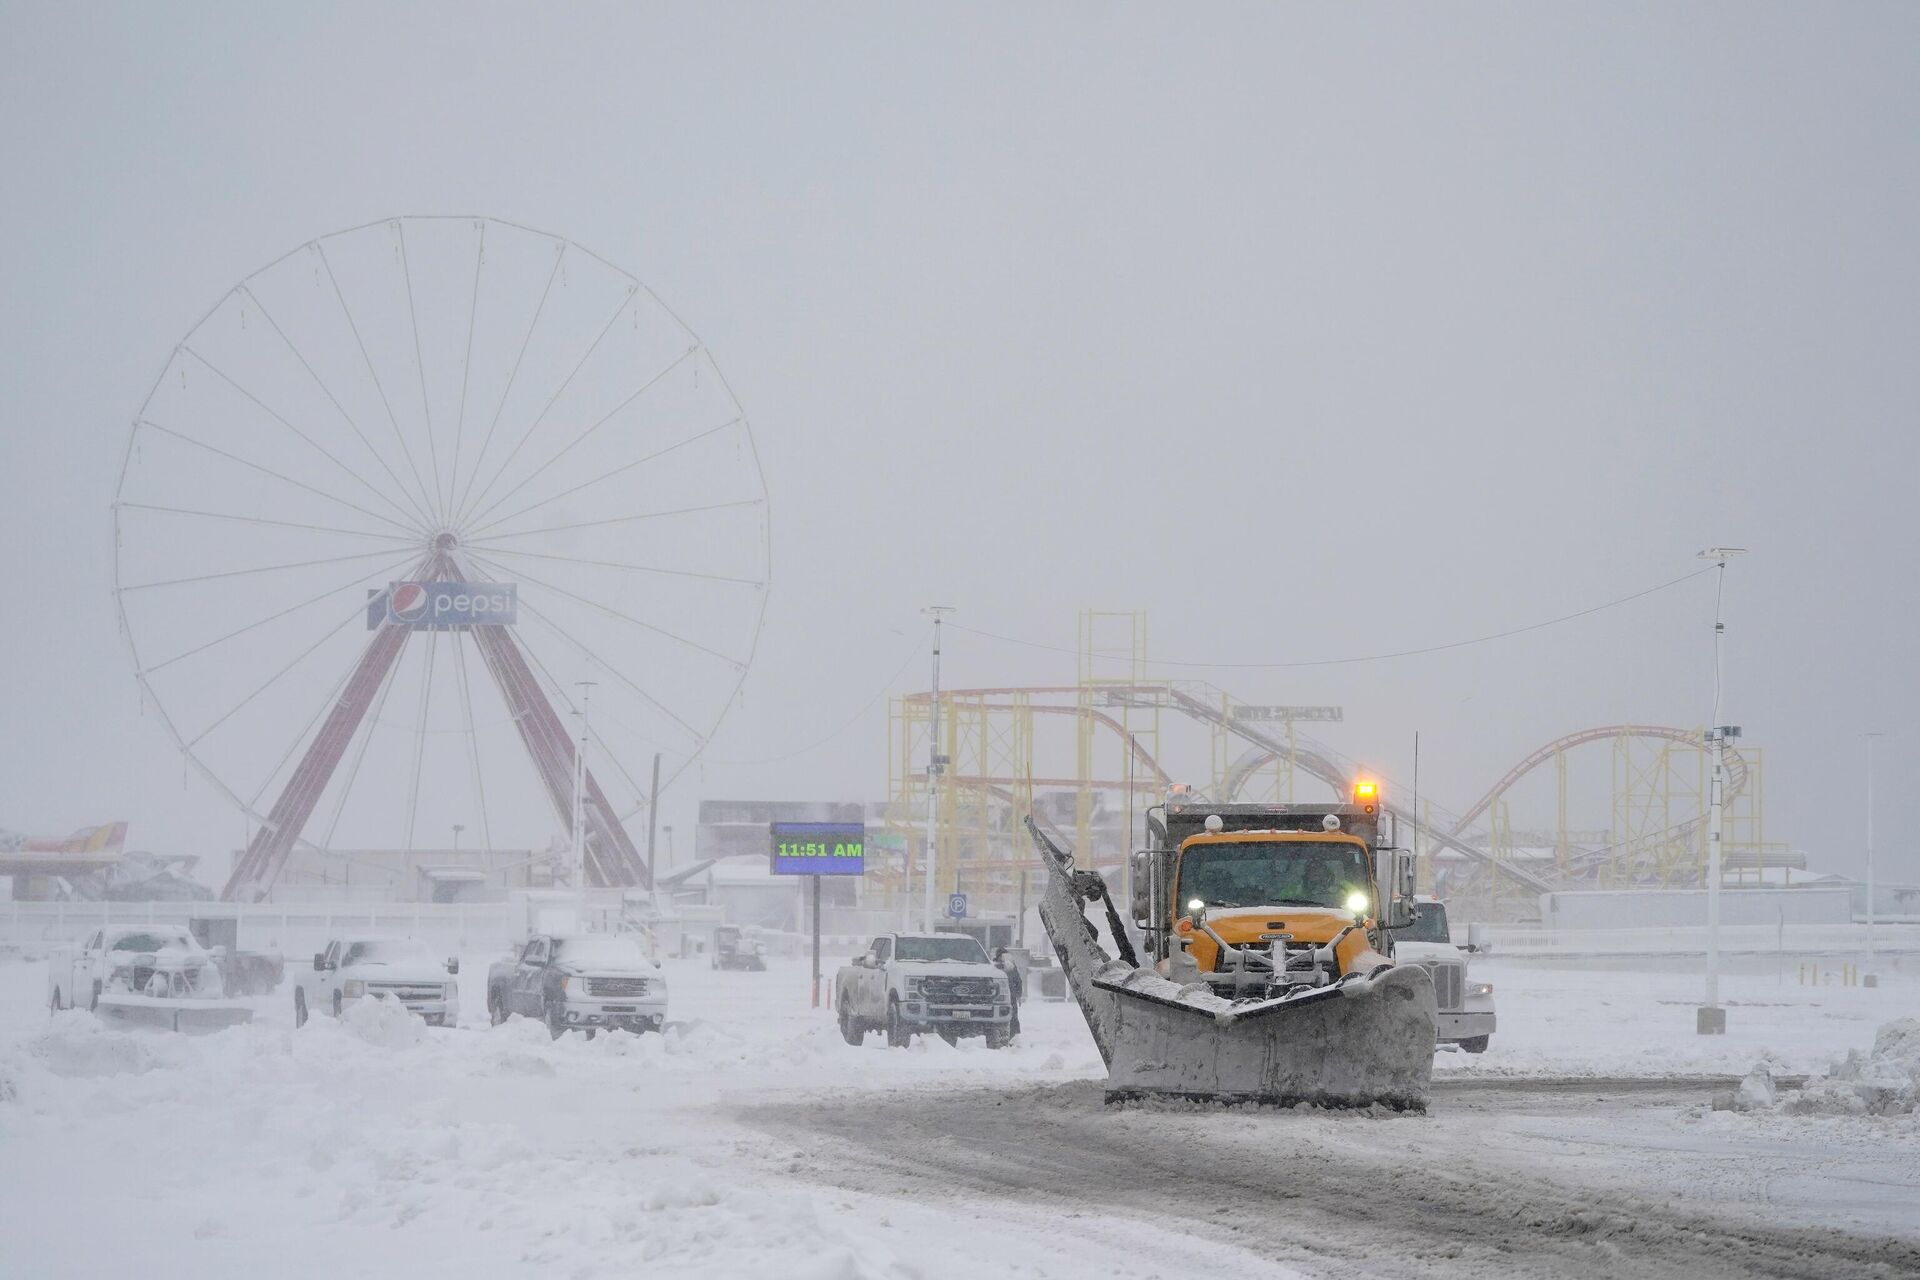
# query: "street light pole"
[935,766]
[1870,978]
[1711,1019]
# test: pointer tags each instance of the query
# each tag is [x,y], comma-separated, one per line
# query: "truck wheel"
[496,1007]
[898,1037]
[998,1039]
[299,1007]
[93,1001]
[850,1030]
[556,1020]
[336,1004]
[951,1038]
[53,1001]
[1475,1044]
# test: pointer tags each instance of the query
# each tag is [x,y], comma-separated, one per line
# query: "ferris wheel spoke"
[416,530]
[645,387]
[280,418]
[255,625]
[420,736]
[595,524]
[630,568]
[554,399]
[609,610]
[466,365]
[473,740]
[280,524]
[398,486]
[608,475]
[366,358]
[359,611]
[371,722]
[514,374]
[419,362]
[242,573]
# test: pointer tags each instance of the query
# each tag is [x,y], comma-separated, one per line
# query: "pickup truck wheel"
[496,1007]
[998,1039]
[951,1038]
[850,1030]
[898,1037]
[556,1019]
[1475,1044]
[336,1004]
[299,1007]
[53,1001]
[93,1000]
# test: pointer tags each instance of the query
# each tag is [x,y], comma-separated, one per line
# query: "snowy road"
[1492,1183]
[753,1142]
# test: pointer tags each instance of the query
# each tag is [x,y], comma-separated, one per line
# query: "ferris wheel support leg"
[266,854]
[612,858]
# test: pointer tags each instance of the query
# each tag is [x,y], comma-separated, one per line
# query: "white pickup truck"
[1465,1006]
[155,974]
[919,982]
[404,969]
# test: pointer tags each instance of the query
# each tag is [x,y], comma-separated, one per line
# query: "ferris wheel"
[393,503]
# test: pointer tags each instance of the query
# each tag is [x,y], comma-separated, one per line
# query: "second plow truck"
[1265,967]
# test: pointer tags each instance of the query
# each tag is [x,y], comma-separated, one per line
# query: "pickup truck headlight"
[1480,989]
[913,986]
[354,989]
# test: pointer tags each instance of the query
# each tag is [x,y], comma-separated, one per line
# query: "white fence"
[1742,939]
[293,929]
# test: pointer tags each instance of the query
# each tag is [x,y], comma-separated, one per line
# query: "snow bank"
[383,1022]
[77,1046]
[1884,1081]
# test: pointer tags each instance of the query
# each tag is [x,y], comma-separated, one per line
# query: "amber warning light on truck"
[819,849]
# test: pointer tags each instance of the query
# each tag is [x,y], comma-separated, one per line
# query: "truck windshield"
[1429,924]
[621,953]
[1272,873]
[388,951]
[962,949]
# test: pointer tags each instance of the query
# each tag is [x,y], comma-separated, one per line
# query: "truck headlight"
[913,986]
[354,989]
[1357,902]
[1480,989]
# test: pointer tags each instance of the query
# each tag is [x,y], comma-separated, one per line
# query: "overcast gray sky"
[1315,331]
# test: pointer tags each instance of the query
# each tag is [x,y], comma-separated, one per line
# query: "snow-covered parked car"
[917,982]
[580,982]
[402,969]
[1465,1006]
[157,975]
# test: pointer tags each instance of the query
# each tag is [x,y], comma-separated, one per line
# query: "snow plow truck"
[1260,963]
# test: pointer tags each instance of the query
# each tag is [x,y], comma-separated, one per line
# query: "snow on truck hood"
[400,971]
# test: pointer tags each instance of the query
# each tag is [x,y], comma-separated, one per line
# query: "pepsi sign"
[425,605]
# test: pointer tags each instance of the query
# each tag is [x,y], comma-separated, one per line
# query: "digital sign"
[819,848]
[426,605]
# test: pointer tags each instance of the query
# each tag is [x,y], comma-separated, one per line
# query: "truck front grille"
[958,988]
[1449,982]
[616,988]
[406,992]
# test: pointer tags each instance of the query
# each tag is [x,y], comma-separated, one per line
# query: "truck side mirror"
[1140,885]
[1477,940]
[319,962]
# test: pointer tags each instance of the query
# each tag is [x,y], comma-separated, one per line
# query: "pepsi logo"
[407,602]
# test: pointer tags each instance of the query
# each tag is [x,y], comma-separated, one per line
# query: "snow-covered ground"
[376,1146]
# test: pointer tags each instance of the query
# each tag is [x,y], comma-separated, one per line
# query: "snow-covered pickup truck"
[402,969]
[152,974]
[1465,1006]
[917,982]
[581,982]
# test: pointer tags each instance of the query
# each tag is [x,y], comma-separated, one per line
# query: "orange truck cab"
[1257,900]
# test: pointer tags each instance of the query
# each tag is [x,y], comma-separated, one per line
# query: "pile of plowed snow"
[1884,1081]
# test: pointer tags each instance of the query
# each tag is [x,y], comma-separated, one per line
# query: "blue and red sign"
[423,605]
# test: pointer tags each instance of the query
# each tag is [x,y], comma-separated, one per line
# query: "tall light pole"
[936,765]
[1711,1019]
[580,801]
[1870,978]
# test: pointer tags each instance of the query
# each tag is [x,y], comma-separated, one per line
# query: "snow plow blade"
[1368,1039]
[127,1009]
